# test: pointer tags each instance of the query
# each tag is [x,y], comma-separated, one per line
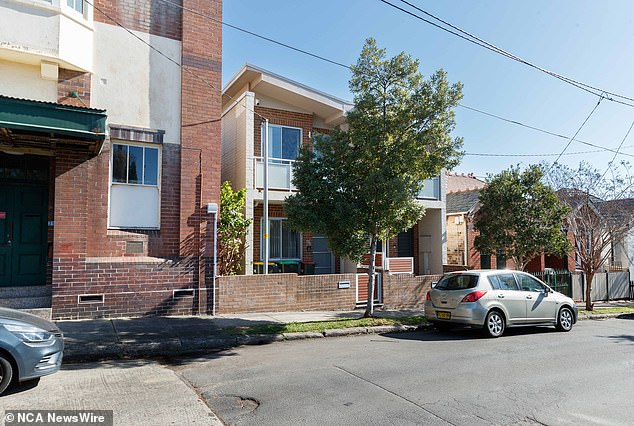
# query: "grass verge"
[615,310]
[303,327]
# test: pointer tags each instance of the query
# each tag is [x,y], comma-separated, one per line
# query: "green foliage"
[521,214]
[232,230]
[360,184]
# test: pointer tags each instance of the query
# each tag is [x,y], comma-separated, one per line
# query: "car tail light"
[428,297]
[473,296]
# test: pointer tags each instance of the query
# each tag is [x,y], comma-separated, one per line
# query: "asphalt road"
[530,376]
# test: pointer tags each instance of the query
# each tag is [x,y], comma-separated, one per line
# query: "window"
[500,259]
[457,282]
[134,164]
[528,283]
[485,260]
[503,282]
[284,243]
[134,187]
[78,5]
[284,142]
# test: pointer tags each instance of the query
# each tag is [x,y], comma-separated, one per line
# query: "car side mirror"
[433,284]
[547,290]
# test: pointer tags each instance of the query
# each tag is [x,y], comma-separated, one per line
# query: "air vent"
[90,298]
[185,292]
[134,247]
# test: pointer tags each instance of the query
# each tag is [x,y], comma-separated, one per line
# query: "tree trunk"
[369,310]
[589,278]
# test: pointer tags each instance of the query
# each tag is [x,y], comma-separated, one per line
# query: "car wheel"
[565,319]
[6,373]
[494,324]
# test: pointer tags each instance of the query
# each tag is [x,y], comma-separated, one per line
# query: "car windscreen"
[457,282]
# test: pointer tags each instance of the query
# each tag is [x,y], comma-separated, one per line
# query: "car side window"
[528,283]
[503,282]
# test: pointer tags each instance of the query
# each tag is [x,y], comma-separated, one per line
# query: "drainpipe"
[265,154]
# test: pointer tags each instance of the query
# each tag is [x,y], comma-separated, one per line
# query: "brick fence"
[292,292]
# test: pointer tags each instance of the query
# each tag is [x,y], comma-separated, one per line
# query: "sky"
[588,41]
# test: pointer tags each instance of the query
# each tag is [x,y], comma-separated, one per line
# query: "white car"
[496,299]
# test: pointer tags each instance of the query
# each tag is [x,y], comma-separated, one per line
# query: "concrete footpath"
[147,337]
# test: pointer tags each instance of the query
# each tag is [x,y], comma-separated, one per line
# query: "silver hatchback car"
[30,347]
[496,299]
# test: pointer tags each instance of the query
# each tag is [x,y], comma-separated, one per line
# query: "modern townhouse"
[295,113]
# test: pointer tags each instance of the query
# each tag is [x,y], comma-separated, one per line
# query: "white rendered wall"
[137,86]
[23,81]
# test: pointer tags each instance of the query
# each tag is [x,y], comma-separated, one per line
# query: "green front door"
[23,230]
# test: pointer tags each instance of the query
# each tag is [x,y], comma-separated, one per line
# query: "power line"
[576,133]
[617,151]
[485,154]
[279,43]
[518,123]
[486,45]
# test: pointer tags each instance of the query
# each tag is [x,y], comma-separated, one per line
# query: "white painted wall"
[137,86]
[23,81]
[34,30]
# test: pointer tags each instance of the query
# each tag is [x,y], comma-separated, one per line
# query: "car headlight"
[29,333]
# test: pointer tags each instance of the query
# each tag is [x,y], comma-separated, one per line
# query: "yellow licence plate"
[443,315]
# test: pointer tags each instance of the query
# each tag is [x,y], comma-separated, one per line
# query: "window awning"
[22,117]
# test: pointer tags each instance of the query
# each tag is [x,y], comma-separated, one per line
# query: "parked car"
[496,299]
[30,347]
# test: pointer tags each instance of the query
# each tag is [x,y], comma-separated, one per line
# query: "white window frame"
[273,259]
[280,126]
[112,184]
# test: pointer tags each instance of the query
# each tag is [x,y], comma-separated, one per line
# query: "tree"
[359,186]
[522,215]
[600,213]
[232,230]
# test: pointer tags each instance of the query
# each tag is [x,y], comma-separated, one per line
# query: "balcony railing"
[431,189]
[280,173]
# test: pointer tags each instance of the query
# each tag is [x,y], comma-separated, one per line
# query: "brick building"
[109,155]
[295,113]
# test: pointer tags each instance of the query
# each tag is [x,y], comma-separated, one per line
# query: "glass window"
[119,163]
[528,283]
[284,243]
[500,259]
[78,5]
[284,142]
[136,165]
[503,282]
[457,282]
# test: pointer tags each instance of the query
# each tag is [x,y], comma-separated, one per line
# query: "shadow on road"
[21,387]
[466,333]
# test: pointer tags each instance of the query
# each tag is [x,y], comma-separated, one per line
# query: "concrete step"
[26,302]
[25,291]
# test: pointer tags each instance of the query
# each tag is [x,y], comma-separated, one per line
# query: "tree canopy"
[232,230]
[522,215]
[360,184]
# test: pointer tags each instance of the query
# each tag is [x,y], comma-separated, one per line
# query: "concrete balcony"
[48,33]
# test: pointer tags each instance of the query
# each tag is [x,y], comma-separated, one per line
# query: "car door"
[506,291]
[540,307]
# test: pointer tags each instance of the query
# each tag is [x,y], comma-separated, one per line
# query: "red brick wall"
[81,186]
[73,81]
[154,17]
[284,292]
[405,291]
[200,134]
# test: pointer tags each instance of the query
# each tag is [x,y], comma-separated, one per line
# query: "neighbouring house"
[463,195]
[109,155]
[296,113]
